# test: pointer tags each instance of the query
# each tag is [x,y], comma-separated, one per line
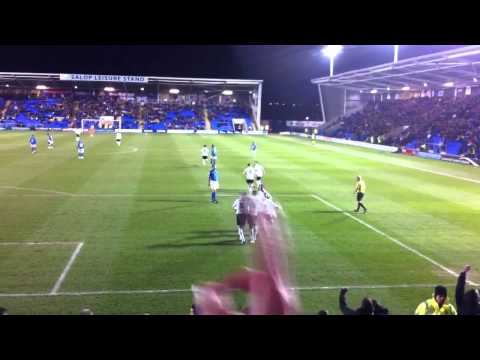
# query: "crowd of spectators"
[422,122]
[150,112]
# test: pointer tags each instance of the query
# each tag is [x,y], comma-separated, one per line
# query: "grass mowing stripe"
[416,252]
[363,155]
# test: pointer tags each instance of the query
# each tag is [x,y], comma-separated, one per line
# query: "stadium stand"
[437,124]
[67,111]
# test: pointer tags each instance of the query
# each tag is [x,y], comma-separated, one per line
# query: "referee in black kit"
[360,191]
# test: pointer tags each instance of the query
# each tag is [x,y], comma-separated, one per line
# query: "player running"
[249,173]
[33,143]
[259,173]
[213,155]
[80,149]
[239,205]
[205,152]
[50,141]
[360,191]
[118,137]
[213,183]
[253,149]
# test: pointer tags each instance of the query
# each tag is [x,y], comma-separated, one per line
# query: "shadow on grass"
[225,238]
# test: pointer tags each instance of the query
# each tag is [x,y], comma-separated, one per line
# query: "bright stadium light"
[7,85]
[142,89]
[174,91]
[331,51]
[227,92]
[41,87]
[234,100]
[425,84]
[448,84]
[165,100]
[395,56]
[374,91]
[307,118]
[388,89]
[475,80]
[406,88]
[108,89]
[76,87]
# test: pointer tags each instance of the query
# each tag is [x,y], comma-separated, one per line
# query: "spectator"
[322,312]
[468,303]
[438,305]
[3,311]
[368,306]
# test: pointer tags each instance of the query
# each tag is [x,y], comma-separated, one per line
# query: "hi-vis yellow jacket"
[430,307]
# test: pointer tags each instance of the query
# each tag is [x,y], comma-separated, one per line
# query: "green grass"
[159,231]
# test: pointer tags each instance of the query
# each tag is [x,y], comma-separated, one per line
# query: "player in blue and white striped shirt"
[213,183]
[213,155]
[253,149]
[80,149]
[33,143]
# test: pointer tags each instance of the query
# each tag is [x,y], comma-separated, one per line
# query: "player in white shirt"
[50,141]
[118,137]
[268,206]
[249,173]
[205,152]
[259,174]
[252,206]
[78,132]
[240,207]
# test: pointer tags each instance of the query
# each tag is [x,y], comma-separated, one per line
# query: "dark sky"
[286,69]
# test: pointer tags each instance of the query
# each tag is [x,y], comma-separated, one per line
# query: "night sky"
[285,69]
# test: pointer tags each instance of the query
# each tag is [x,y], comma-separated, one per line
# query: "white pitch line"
[398,242]
[171,291]
[134,150]
[36,189]
[37,243]
[58,193]
[66,270]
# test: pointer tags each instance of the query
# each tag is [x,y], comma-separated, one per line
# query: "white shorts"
[81,151]
[214,185]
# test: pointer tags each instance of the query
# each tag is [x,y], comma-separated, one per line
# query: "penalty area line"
[65,271]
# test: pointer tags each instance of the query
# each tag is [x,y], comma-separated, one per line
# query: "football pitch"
[129,229]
